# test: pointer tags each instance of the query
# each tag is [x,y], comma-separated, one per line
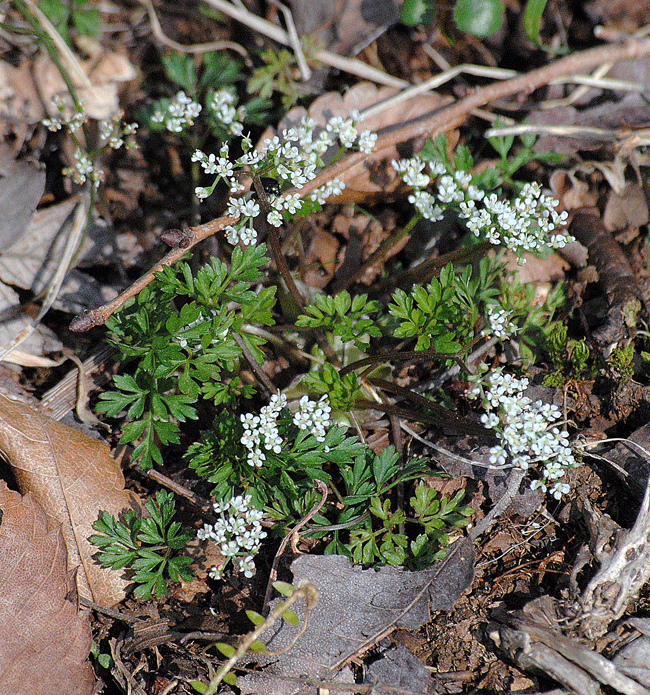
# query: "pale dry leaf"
[100,99]
[537,270]
[345,26]
[355,608]
[20,105]
[73,478]
[13,321]
[375,176]
[572,192]
[630,112]
[33,260]
[44,638]
[21,186]
[628,208]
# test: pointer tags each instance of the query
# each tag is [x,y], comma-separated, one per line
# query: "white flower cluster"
[413,175]
[113,132]
[83,168]
[294,158]
[523,225]
[261,431]
[238,532]
[528,433]
[71,122]
[178,114]
[498,323]
[222,107]
[313,416]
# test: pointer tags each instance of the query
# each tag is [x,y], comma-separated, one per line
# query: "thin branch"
[276,33]
[261,375]
[188,48]
[273,574]
[294,39]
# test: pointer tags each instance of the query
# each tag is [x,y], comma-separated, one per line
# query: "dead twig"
[273,574]
[615,276]
[191,48]
[624,571]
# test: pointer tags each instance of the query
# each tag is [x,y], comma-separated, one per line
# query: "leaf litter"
[75,478]
[44,636]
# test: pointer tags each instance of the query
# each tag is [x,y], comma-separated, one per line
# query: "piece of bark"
[616,277]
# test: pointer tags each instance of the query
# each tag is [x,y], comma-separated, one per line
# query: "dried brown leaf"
[44,638]
[355,608]
[344,27]
[627,209]
[73,478]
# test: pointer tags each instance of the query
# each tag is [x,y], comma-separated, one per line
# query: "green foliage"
[414,12]
[188,354]
[104,659]
[146,545]
[283,486]
[532,318]
[511,161]
[365,478]
[343,316]
[278,74]
[478,17]
[443,315]
[571,359]
[76,14]
[630,312]
[484,17]
[532,19]
[384,542]
[621,360]
[341,390]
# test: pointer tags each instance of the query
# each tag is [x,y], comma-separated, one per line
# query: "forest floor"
[542,588]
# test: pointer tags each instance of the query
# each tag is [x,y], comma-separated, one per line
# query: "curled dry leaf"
[100,95]
[375,176]
[44,637]
[73,478]
[344,27]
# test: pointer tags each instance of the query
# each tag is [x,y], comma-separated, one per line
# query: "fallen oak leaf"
[44,638]
[73,478]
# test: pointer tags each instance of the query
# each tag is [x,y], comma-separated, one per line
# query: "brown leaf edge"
[73,477]
[44,638]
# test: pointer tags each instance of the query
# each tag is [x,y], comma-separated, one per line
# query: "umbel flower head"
[525,224]
[238,532]
[293,158]
[530,437]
